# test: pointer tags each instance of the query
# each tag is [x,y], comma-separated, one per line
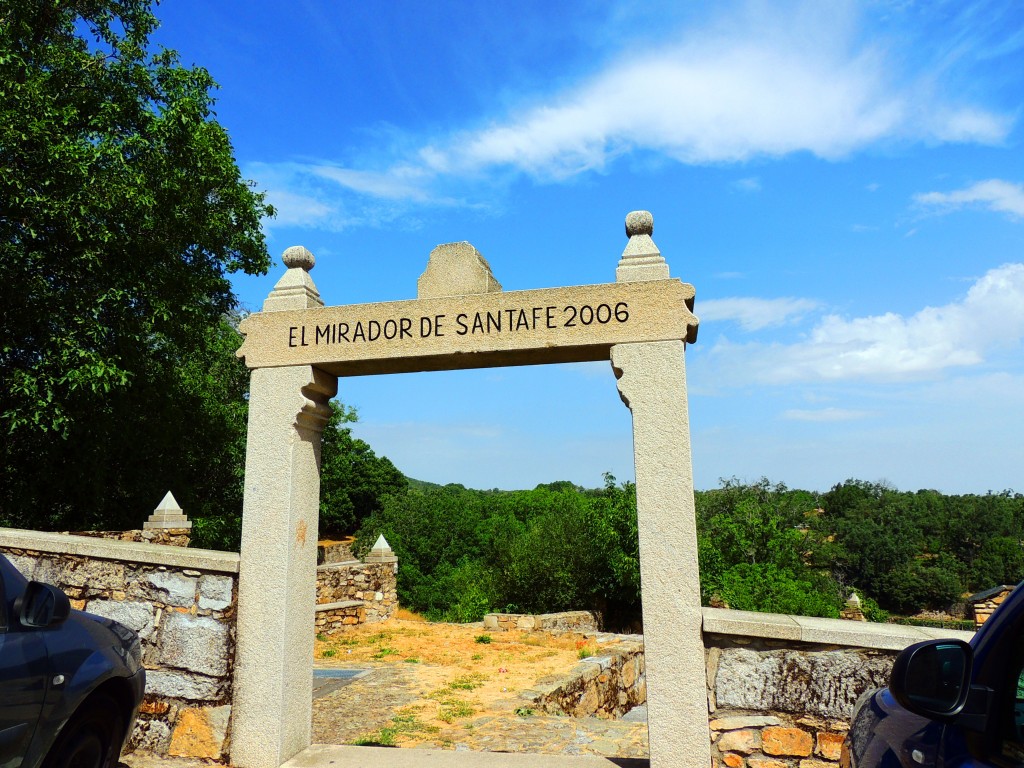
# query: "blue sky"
[843,183]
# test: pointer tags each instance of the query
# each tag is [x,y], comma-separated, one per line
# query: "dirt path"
[457,687]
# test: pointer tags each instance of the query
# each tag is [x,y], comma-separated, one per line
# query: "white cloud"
[824,414]
[994,194]
[755,314]
[890,346]
[757,82]
[749,184]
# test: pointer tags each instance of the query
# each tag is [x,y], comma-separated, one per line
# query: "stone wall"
[984,604]
[172,537]
[608,686]
[182,604]
[781,689]
[354,593]
[567,621]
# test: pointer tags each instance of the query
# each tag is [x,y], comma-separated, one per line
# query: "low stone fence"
[781,689]
[171,537]
[182,604]
[354,593]
[567,621]
[608,685]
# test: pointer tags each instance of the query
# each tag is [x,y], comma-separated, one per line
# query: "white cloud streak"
[755,314]
[756,83]
[889,347]
[995,194]
[824,415]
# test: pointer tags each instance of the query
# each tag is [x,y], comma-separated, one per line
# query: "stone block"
[829,745]
[215,592]
[745,741]
[747,721]
[786,742]
[765,762]
[182,685]
[732,760]
[200,732]
[175,588]
[823,683]
[150,736]
[196,643]
[812,763]
[137,616]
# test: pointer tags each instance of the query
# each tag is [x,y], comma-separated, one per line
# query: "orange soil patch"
[461,671]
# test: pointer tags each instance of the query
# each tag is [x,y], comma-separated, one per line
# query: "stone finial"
[456,269]
[641,260]
[298,257]
[381,553]
[639,223]
[295,289]
[167,515]
[852,611]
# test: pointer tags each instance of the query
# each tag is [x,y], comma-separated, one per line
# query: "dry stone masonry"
[182,604]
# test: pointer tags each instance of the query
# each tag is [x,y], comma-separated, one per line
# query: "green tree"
[353,479]
[122,213]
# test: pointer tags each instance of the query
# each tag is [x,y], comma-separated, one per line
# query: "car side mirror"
[933,678]
[42,605]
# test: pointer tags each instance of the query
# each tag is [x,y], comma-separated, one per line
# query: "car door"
[23,667]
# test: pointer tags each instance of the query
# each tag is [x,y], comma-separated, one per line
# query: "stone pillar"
[652,383]
[288,409]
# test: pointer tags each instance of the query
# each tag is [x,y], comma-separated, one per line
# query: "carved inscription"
[485,323]
[586,320]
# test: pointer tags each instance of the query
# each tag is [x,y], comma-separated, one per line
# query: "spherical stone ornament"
[639,223]
[298,256]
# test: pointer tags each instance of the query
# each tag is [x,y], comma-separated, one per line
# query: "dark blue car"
[949,704]
[70,683]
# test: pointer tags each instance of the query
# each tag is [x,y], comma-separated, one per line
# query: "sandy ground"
[430,679]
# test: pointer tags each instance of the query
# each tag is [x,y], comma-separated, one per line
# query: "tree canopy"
[122,213]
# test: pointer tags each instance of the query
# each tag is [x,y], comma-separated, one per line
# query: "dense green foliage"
[353,480]
[762,547]
[557,547]
[122,212]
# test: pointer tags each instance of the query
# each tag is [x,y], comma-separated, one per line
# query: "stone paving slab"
[322,756]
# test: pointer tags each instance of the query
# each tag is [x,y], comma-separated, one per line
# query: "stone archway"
[297,349]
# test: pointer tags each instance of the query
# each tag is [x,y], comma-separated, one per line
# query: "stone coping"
[130,551]
[324,756]
[805,629]
[339,565]
[337,606]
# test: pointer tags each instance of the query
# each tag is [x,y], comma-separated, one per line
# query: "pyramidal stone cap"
[167,515]
[381,552]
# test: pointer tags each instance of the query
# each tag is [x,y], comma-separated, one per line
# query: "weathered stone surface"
[183,685]
[828,745]
[746,741]
[176,588]
[215,592]
[825,683]
[150,736]
[200,732]
[732,760]
[196,643]
[765,762]
[456,269]
[735,723]
[787,742]
[742,721]
[135,615]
